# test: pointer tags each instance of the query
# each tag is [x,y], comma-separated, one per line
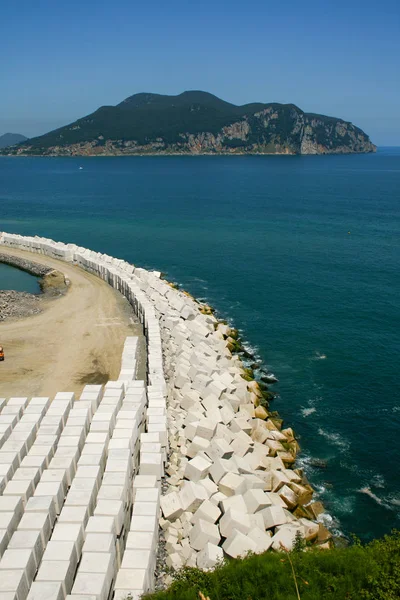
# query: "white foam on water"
[336,439]
[308,411]
[319,356]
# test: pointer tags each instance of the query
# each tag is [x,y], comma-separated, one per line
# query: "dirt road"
[78,339]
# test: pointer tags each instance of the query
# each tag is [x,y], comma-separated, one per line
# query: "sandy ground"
[78,339]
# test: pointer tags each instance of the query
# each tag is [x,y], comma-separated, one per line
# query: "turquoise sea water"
[302,253]
[15,279]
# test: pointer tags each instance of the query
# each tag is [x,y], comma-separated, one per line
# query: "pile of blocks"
[228,465]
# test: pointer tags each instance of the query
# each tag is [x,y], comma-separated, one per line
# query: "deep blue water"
[15,279]
[302,253]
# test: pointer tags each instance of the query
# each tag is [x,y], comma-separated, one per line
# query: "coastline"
[191,154]
[213,406]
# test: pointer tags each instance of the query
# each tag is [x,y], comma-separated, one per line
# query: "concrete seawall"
[196,427]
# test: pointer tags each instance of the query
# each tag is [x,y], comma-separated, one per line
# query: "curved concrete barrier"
[228,475]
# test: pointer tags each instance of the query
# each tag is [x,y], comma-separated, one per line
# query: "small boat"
[80,168]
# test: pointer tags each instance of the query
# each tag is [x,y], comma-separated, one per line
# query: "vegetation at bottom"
[358,572]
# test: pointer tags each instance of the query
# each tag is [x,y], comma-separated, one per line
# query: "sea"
[301,253]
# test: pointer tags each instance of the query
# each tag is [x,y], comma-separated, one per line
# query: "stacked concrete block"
[202,426]
[106,529]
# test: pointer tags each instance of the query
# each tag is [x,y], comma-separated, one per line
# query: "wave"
[319,356]
[336,439]
[308,411]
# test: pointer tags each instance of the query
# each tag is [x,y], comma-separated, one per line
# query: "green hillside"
[197,122]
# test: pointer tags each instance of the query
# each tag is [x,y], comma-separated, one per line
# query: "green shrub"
[370,572]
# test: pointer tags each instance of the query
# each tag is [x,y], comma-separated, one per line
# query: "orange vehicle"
[1,353]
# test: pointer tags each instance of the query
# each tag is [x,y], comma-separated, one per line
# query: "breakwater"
[199,426]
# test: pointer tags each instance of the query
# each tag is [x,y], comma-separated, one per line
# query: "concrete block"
[113,508]
[191,496]
[42,504]
[149,524]
[99,542]
[91,584]
[284,539]
[209,557]
[202,533]
[234,502]
[262,538]
[219,448]
[210,487]
[234,520]
[14,582]
[232,484]
[36,522]
[19,559]
[221,467]
[207,511]
[206,429]
[151,464]
[24,489]
[273,516]
[65,532]
[56,571]
[256,500]
[28,540]
[104,524]
[55,490]
[97,562]
[141,540]
[197,468]
[46,591]
[132,581]
[198,444]
[238,545]
[74,514]
[61,551]
[138,559]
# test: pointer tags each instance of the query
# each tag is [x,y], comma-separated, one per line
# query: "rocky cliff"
[198,123]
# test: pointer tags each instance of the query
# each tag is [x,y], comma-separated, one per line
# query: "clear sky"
[62,59]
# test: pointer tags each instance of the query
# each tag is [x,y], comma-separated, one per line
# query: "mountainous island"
[9,139]
[197,122]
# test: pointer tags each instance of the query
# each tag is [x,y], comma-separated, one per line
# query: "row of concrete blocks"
[55,574]
[106,531]
[26,463]
[46,473]
[129,359]
[136,575]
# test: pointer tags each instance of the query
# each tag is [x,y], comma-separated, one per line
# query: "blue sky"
[63,59]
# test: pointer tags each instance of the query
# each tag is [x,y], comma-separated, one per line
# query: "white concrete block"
[19,559]
[191,496]
[209,557]
[273,516]
[46,591]
[197,468]
[202,533]
[262,538]
[256,500]
[232,520]
[207,511]
[238,545]
[232,484]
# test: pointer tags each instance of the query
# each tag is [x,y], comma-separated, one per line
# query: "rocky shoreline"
[17,305]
